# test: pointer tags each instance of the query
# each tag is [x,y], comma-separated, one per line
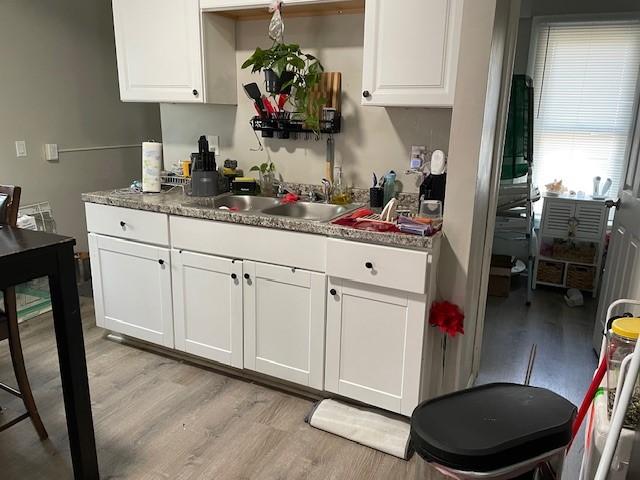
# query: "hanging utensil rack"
[292,127]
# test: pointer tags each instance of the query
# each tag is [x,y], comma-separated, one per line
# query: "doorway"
[572,116]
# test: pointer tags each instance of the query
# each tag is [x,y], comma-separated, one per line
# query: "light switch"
[51,152]
[214,144]
[21,148]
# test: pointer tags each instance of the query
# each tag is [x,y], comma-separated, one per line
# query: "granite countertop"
[175,202]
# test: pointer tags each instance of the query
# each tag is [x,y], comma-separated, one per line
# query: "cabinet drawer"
[148,227]
[389,267]
[268,245]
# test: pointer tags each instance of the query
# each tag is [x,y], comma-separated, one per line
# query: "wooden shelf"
[289,10]
[574,262]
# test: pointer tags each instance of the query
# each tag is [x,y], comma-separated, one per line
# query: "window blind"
[585,77]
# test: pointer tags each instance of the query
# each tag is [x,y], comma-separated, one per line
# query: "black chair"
[9,203]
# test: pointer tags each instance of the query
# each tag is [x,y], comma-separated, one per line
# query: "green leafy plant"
[264,168]
[306,70]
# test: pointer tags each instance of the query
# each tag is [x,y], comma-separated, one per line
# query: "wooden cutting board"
[329,88]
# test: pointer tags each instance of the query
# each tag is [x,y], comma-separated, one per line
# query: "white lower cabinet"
[207,304]
[351,322]
[284,322]
[374,344]
[132,288]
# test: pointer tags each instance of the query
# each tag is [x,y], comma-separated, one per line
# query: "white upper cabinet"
[158,50]
[160,53]
[411,52]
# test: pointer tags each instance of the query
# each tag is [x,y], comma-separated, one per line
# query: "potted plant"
[288,70]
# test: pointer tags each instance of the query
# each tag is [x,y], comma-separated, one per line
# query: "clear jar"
[267,182]
[622,339]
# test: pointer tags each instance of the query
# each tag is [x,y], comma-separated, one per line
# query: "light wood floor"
[158,418]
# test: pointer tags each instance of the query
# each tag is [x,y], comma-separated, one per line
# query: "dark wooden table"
[26,255]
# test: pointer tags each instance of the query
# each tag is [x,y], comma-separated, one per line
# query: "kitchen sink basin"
[243,203]
[236,203]
[319,212]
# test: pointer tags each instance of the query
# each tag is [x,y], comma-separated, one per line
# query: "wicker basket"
[580,277]
[585,253]
[550,272]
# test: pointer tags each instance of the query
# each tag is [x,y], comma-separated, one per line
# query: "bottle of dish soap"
[340,194]
[389,186]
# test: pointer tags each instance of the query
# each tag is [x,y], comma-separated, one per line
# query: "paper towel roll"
[151,166]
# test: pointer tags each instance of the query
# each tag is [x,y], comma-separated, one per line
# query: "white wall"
[475,131]
[373,138]
[58,84]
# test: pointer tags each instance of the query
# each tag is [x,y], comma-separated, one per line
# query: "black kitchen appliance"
[204,176]
[433,187]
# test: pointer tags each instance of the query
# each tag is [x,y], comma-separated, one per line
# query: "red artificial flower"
[447,317]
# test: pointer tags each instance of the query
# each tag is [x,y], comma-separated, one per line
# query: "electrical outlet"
[50,152]
[21,148]
[214,144]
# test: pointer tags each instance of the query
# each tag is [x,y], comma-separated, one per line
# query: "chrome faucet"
[326,190]
[282,190]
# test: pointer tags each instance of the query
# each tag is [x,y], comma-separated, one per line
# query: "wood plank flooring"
[159,418]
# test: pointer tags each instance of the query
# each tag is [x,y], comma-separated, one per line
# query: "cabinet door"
[374,344]
[592,220]
[284,318]
[556,215]
[132,288]
[158,50]
[411,52]
[207,304]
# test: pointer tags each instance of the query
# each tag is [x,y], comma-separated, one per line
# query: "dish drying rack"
[174,180]
[373,217]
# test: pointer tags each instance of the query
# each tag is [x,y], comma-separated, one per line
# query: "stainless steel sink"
[243,203]
[236,203]
[319,212]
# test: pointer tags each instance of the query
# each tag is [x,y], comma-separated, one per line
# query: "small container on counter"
[244,186]
[622,339]
[431,209]
[376,197]
[186,168]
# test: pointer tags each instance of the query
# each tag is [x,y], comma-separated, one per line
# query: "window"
[585,77]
